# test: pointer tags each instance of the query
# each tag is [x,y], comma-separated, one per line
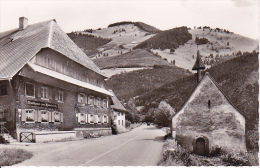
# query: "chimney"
[23,23]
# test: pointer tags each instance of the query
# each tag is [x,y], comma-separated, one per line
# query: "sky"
[238,16]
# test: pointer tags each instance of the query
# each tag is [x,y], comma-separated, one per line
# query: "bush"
[175,155]
[200,41]
[13,156]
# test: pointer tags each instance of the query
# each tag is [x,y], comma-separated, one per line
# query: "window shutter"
[86,99]
[78,98]
[86,119]
[102,119]
[52,116]
[95,118]
[39,116]
[49,90]
[38,91]
[61,117]
[79,117]
[56,95]
[35,115]
[23,115]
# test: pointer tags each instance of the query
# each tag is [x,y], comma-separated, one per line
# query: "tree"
[163,114]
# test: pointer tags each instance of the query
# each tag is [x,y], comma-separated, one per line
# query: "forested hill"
[141,25]
[87,42]
[169,39]
[238,78]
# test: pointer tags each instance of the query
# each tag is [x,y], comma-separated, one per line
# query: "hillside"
[135,58]
[169,39]
[141,25]
[131,84]
[124,36]
[221,44]
[87,42]
[238,78]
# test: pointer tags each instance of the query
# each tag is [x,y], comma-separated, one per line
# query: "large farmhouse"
[48,84]
[208,119]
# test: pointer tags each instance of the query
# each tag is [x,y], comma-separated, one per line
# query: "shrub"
[13,156]
[200,41]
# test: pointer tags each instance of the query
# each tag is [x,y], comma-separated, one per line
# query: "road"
[140,147]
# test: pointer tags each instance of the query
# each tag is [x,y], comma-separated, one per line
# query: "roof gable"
[18,47]
[116,103]
[199,63]
[210,79]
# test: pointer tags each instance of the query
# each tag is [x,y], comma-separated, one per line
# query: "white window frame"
[91,120]
[82,116]
[105,118]
[60,96]
[99,119]
[82,96]
[98,101]
[44,91]
[59,114]
[47,114]
[91,100]
[104,103]
[33,117]
[33,89]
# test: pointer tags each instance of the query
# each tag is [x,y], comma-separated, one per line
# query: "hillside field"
[135,58]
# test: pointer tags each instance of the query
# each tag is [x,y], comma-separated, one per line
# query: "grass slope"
[11,156]
[135,58]
[183,55]
[131,84]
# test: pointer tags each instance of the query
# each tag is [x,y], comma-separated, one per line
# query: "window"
[119,114]
[105,119]
[99,119]
[81,97]
[44,92]
[118,122]
[209,104]
[29,89]
[3,89]
[90,100]
[82,118]
[122,122]
[98,101]
[57,117]
[44,116]
[29,115]
[104,103]
[91,118]
[60,96]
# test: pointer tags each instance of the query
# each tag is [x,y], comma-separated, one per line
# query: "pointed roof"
[18,47]
[116,103]
[199,63]
[207,75]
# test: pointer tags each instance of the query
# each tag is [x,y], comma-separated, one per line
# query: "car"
[148,124]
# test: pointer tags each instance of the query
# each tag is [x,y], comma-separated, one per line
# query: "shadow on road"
[158,138]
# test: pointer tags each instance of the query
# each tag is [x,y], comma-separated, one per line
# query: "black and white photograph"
[129,83]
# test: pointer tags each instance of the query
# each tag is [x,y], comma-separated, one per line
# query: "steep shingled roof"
[207,75]
[199,63]
[18,47]
[116,103]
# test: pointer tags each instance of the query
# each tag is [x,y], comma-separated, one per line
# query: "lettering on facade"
[41,104]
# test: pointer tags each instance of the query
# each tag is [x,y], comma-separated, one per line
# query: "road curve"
[139,147]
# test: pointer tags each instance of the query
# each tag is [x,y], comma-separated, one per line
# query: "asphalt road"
[140,147]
